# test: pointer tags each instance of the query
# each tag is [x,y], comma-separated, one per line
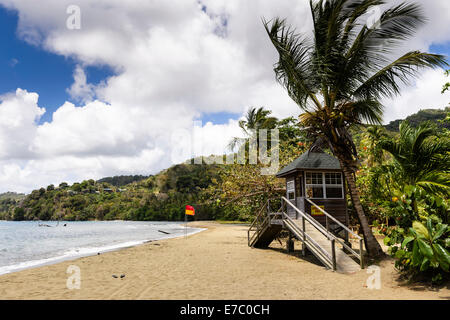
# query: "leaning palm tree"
[421,158]
[339,76]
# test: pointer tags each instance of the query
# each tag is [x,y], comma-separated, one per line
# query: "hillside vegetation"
[118,181]
[434,115]
[159,197]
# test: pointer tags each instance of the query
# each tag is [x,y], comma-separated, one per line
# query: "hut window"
[290,187]
[322,185]
[314,184]
[333,185]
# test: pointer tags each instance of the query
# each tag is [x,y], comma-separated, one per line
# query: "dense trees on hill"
[160,197]
[118,181]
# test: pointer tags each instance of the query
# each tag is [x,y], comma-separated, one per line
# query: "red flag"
[190,210]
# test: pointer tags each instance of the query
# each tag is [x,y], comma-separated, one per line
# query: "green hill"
[159,197]
[118,181]
[423,115]
[11,195]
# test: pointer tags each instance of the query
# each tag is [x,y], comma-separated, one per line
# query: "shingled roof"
[311,160]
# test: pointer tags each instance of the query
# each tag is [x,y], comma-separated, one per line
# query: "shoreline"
[213,264]
[69,254]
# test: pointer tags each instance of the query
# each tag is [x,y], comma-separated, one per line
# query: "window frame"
[324,185]
[289,190]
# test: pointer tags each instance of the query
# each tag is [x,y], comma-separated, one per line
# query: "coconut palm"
[339,76]
[421,158]
[255,119]
[375,134]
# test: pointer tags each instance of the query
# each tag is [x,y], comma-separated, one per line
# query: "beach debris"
[114,276]
[163,232]
[44,225]
[122,276]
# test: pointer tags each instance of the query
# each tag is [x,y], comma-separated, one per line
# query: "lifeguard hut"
[316,178]
[313,211]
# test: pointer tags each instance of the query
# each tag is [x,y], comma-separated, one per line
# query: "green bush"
[419,240]
[422,248]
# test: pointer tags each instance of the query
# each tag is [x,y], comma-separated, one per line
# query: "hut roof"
[311,160]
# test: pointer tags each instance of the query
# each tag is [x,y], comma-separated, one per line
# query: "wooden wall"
[335,207]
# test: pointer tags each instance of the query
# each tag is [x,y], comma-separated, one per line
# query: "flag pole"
[185,226]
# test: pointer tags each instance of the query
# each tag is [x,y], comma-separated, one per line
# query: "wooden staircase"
[331,250]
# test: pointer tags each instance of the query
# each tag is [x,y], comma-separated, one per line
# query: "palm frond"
[293,69]
[385,83]
[367,111]
[436,183]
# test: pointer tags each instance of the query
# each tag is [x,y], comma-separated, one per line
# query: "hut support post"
[361,252]
[333,253]
[290,244]
[304,238]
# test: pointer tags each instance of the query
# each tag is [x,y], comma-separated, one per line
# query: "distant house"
[108,190]
[122,190]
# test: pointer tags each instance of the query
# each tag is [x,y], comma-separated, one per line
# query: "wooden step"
[267,235]
[344,264]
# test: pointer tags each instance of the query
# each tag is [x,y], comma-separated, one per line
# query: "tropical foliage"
[421,157]
[339,76]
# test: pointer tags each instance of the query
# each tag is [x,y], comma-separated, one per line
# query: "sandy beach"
[213,264]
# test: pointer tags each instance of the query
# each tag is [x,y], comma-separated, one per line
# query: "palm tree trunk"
[372,246]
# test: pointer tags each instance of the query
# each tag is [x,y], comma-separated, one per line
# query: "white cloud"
[173,61]
[18,115]
[80,89]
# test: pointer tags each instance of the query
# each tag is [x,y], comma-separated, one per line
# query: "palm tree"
[339,76]
[255,119]
[421,158]
[375,134]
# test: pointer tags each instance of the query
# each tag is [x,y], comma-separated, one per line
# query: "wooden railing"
[263,220]
[323,255]
[260,222]
[359,255]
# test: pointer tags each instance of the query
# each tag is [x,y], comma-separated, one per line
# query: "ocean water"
[25,244]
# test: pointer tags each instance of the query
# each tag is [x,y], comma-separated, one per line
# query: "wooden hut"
[314,212]
[317,177]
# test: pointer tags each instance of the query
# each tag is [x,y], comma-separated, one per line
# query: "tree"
[339,76]
[446,86]
[19,214]
[241,188]
[375,134]
[63,185]
[255,119]
[421,158]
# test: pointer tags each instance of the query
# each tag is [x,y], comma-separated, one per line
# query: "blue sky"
[29,67]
